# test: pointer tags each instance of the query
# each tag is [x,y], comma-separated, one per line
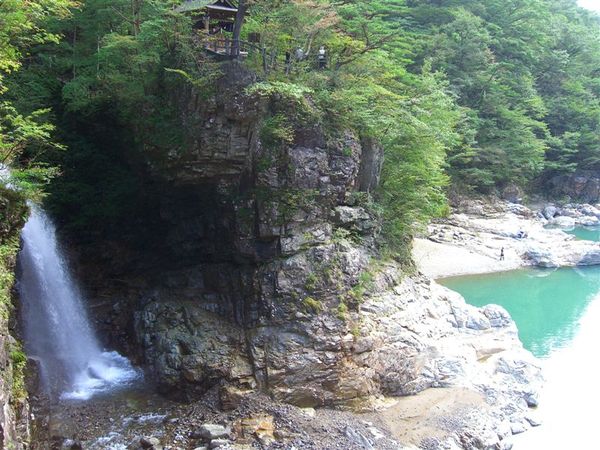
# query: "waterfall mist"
[56,327]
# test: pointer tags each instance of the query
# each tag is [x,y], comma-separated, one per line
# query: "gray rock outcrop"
[478,232]
[266,275]
[582,186]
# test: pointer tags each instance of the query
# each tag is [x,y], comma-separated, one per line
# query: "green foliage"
[342,311]
[12,217]
[23,137]
[287,202]
[112,80]
[276,131]
[19,362]
[340,235]
[289,92]
[478,94]
[8,251]
[355,295]
[312,306]
[311,282]
[523,71]
[22,25]
[369,89]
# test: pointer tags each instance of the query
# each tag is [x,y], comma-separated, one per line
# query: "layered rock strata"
[265,274]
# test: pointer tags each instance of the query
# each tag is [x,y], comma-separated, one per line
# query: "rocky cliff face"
[266,230]
[263,273]
[14,409]
[582,186]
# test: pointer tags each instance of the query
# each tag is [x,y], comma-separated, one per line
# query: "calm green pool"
[586,233]
[545,304]
[558,316]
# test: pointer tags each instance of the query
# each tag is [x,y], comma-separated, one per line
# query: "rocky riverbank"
[453,377]
[471,239]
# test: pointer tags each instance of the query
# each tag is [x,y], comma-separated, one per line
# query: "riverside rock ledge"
[476,233]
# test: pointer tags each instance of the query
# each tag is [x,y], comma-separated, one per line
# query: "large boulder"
[564,222]
[550,211]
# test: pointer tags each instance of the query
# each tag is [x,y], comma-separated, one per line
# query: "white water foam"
[56,326]
[569,400]
[108,372]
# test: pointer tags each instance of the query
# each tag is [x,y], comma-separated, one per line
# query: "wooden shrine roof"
[221,7]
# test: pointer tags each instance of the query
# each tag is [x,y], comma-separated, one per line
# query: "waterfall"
[56,327]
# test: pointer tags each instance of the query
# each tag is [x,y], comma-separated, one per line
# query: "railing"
[225,48]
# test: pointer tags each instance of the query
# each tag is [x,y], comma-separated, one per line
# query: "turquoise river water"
[558,316]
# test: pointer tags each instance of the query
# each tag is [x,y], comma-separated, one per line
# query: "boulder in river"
[564,222]
[549,212]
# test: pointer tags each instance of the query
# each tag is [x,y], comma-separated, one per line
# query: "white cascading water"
[57,330]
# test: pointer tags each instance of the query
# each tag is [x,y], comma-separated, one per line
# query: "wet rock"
[497,316]
[70,444]
[309,412]
[261,427]
[478,322]
[588,221]
[217,443]
[33,380]
[150,443]
[534,421]
[263,305]
[582,186]
[589,210]
[549,212]
[512,193]
[358,438]
[532,399]
[210,431]
[564,222]
[353,218]
[231,397]
[518,427]
[541,257]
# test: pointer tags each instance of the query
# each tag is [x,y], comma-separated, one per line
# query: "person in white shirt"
[322,58]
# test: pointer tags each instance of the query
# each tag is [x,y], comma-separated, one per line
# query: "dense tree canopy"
[527,73]
[23,25]
[478,93]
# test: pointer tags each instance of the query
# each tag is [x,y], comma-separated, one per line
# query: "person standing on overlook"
[322,58]
[288,62]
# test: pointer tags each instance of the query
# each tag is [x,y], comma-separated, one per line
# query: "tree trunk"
[136,16]
[237,27]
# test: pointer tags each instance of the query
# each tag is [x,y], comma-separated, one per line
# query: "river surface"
[558,316]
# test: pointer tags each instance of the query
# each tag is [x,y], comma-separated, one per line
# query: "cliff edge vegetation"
[235,206]
[485,96]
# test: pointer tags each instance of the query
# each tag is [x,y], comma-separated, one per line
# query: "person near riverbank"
[502,254]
